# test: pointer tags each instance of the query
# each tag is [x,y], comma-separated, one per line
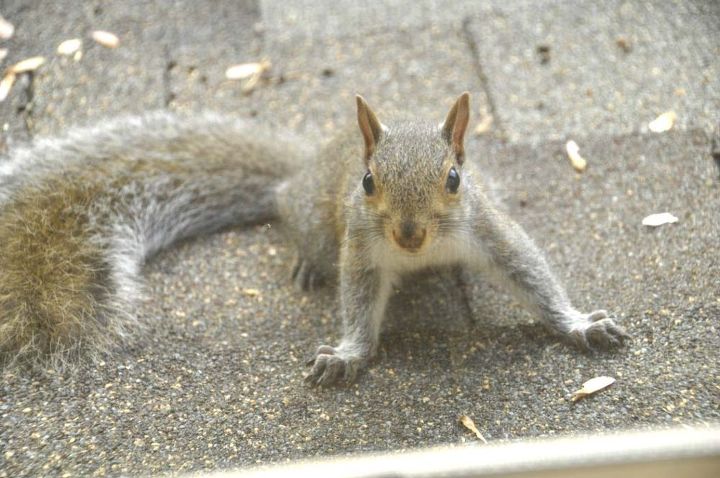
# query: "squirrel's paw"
[597,330]
[305,276]
[329,367]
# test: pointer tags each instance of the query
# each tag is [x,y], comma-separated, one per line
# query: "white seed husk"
[468,423]
[6,85]
[577,161]
[246,70]
[592,386]
[69,47]
[663,123]
[485,124]
[29,64]
[6,29]
[106,39]
[659,219]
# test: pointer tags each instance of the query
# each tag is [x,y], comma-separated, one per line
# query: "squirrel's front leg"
[364,291]
[517,262]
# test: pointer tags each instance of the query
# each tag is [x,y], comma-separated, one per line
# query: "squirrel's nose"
[407,229]
[409,235]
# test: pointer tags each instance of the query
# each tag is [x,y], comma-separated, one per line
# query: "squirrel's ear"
[456,122]
[370,127]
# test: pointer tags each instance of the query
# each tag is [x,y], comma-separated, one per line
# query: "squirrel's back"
[80,214]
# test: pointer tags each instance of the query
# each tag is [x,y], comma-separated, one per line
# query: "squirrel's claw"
[329,368]
[322,350]
[598,331]
[305,277]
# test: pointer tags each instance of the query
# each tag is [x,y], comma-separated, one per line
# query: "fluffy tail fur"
[80,214]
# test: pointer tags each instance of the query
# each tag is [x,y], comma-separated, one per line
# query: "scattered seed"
[69,47]
[663,123]
[592,386]
[246,70]
[27,65]
[251,292]
[106,39]
[655,220]
[6,85]
[6,29]
[251,73]
[577,161]
[484,125]
[467,422]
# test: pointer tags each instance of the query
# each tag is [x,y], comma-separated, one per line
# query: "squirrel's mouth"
[411,250]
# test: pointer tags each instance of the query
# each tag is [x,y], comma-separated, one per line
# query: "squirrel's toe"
[601,332]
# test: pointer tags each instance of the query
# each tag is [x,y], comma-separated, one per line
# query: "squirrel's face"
[413,185]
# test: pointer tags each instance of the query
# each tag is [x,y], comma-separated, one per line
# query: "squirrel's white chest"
[442,252]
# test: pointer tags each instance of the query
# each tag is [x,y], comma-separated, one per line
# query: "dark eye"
[453,181]
[368,183]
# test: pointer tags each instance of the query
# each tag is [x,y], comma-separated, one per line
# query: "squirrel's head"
[413,181]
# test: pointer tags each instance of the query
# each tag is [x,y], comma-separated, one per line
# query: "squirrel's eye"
[453,181]
[368,183]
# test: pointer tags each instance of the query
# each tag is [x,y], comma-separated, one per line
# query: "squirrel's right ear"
[456,122]
[370,127]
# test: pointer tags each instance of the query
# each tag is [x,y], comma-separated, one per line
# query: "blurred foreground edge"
[679,452]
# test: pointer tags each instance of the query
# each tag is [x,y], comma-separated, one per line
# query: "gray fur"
[132,186]
[88,208]
[409,165]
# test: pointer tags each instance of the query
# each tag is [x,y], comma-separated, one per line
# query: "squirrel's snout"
[409,235]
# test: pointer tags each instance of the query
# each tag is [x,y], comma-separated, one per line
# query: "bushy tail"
[80,214]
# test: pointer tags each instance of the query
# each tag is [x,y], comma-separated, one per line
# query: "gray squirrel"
[79,215]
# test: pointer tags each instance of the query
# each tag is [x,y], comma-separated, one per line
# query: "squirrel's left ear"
[370,127]
[456,122]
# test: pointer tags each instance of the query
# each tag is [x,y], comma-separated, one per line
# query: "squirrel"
[80,214]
